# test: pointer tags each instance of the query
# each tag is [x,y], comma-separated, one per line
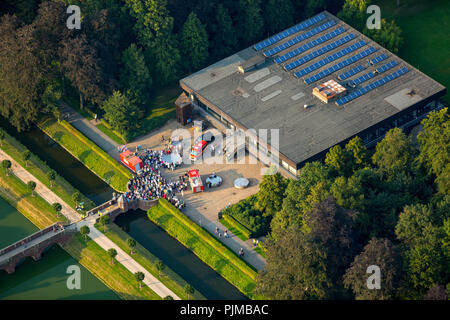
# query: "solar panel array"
[350,72]
[378,59]
[309,45]
[371,86]
[370,75]
[319,52]
[340,65]
[299,38]
[280,36]
[329,59]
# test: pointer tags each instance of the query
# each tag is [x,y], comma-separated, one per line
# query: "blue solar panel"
[319,52]
[340,65]
[299,38]
[309,45]
[371,86]
[351,72]
[331,58]
[371,74]
[378,59]
[280,36]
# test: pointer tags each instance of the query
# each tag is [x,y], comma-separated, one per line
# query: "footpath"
[75,219]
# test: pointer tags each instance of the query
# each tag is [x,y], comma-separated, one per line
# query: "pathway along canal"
[153,238]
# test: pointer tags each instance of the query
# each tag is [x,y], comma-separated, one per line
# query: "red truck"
[195,180]
[131,161]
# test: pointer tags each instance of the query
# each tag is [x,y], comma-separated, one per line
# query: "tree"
[394,153]
[193,43]
[160,266]
[131,243]
[354,13]
[340,160]
[84,230]
[57,207]
[164,58]
[437,292]
[76,197]
[383,254]
[388,36]
[104,220]
[168,298]
[51,176]
[6,164]
[271,193]
[224,37]
[278,15]
[420,231]
[86,71]
[31,186]
[333,229]
[314,6]
[26,155]
[434,141]
[112,253]
[189,290]
[358,151]
[21,83]
[251,24]
[121,113]
[139,278]
[2,137]
[295,268]
[135,77]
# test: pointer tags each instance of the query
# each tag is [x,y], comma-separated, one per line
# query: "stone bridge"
[116,207]
[34,245]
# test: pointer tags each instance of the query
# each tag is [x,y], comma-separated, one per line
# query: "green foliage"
[112,253]
[251,23]
[271,192]
[278,15]
[394,153]
[224,38]
[120,113]
[76,197]
[189,290]
[434,143]
[139,276]
[84,231]
[135,76]
[193,43]
[26,155]
[57,207]
[388,36]
[104,220]
[31,186]
[131,243]
[354,13]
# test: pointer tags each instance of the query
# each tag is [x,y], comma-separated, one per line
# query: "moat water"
[49,273]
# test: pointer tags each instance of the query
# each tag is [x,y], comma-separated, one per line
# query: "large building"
[321,83]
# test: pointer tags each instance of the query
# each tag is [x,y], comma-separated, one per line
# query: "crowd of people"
[149,184]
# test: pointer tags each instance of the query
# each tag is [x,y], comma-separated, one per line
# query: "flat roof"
[269,97]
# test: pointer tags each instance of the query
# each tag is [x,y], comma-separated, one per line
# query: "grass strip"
[94,158]
[219,257]
[146,259]
[105,127]
[236,225]
[39,169]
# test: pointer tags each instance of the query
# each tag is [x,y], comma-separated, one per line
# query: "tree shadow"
[84,155]
[108,175]
[58,135]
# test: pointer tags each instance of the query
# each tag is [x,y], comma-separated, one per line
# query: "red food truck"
[195,180]
[131,161]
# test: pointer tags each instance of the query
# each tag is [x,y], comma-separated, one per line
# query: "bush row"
[235,224]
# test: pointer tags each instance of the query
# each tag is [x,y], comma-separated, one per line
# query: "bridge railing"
[29,238]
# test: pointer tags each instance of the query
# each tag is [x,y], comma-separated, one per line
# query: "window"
[284,164]
[292,170]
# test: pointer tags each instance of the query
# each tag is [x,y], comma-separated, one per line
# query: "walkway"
[104,242]
[90,130]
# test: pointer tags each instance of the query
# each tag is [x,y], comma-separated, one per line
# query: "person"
[217,229]
[254,242]
[226,234]
[220,235]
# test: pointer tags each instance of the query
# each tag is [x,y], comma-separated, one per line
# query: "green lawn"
[233,230]
[88,153]
[115,276]
[425,27]
[106,129]
[146,259]
[219,257]
[34,208]
[39,169]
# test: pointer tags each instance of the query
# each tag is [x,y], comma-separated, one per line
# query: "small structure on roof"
[132,162]
[251,63]
[328,91]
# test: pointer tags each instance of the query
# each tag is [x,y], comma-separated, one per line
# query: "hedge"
[235,224]
[219,257]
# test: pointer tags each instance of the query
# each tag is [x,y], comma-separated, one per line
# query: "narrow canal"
[154,239]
